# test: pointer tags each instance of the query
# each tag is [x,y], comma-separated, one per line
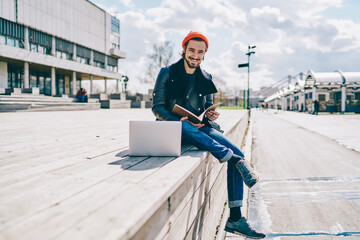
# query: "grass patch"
[230,107]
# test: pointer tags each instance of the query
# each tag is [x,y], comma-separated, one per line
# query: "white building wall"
[7,10]
[76,21]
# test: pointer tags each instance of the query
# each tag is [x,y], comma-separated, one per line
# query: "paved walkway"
[344,129]
[309,186]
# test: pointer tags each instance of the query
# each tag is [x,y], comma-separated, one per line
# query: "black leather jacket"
[171,88]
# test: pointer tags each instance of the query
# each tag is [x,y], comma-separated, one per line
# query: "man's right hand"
[197,125]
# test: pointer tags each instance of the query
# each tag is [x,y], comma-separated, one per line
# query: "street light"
[249,54]
[248,66]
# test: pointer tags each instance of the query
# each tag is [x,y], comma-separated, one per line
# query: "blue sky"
[291,36]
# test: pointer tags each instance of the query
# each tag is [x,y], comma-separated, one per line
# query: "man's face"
[194,53]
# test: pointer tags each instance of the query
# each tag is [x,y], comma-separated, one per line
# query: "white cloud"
[127,3]
[290,36]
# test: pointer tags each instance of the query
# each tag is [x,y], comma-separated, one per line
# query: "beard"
[190,64]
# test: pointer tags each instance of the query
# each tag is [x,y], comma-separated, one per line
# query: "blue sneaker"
[241,227]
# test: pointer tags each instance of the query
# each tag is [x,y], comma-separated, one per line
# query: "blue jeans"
[211,140]
[81,98]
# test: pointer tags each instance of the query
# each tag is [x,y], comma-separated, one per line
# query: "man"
[316,107]
[186,84]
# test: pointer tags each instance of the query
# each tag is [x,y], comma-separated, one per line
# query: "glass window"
[68,56]
[10,41]
[47,51]
[60,84]
[33,81]
[33,47]
[2,39]
[47,90]
[99,64]
[115,24]
[41,84]
[41,49]
[322,97]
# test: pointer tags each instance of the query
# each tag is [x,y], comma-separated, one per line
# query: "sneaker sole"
[241,234]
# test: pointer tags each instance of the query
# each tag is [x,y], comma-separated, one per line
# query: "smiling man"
[186,84]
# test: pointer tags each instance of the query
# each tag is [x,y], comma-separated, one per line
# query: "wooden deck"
[66,175]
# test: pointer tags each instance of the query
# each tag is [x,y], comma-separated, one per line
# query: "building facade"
[335,91]
[54,45]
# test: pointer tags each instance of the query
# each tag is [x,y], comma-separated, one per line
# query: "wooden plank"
[185,219]
[109,188]
[72,193]
[203,211]
[123,217]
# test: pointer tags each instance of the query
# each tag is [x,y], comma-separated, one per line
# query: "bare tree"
[160,57]
[221,87]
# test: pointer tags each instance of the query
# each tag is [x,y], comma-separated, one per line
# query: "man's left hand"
[212,115]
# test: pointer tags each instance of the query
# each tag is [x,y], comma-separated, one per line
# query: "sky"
[290,36]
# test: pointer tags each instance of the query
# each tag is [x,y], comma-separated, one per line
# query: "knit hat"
[195,34]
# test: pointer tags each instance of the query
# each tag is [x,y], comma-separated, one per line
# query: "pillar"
[291,98]
[343,98]
[74,90]
[53,48]
[91,83]
[26,38]
[53,85]
[92,58]
[314,93]
[26,75]
[313,98]
[105,84]
[117,85]
[74,52]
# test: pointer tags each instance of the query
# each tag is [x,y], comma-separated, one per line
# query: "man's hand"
[212,115]
[197,125]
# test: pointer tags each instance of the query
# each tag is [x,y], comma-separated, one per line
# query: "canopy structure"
[323,78]
[350,77]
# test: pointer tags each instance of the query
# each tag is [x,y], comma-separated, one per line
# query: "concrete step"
[41,99]
[112,103]
[46,106]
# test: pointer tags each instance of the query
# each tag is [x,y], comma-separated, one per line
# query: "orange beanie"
[195,34]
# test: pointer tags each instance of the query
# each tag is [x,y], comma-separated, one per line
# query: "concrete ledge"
[11,107]
[113,104]
[77,182]
[100,96]
[188,202]
[16,91]
[34,90]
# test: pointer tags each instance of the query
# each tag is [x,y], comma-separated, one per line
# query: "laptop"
[155,138]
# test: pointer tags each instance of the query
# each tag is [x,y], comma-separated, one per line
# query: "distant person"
[316,107]
[84,93]
[186,84]
[81,95]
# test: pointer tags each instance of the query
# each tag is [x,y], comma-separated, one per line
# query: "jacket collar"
[204,83]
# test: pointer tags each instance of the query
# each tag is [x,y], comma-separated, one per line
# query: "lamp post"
[248,66]
[248,90]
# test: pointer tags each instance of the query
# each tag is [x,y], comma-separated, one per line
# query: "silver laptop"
[155,138]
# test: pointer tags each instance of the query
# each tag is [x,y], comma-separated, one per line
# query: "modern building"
[336,92]
[54,45]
